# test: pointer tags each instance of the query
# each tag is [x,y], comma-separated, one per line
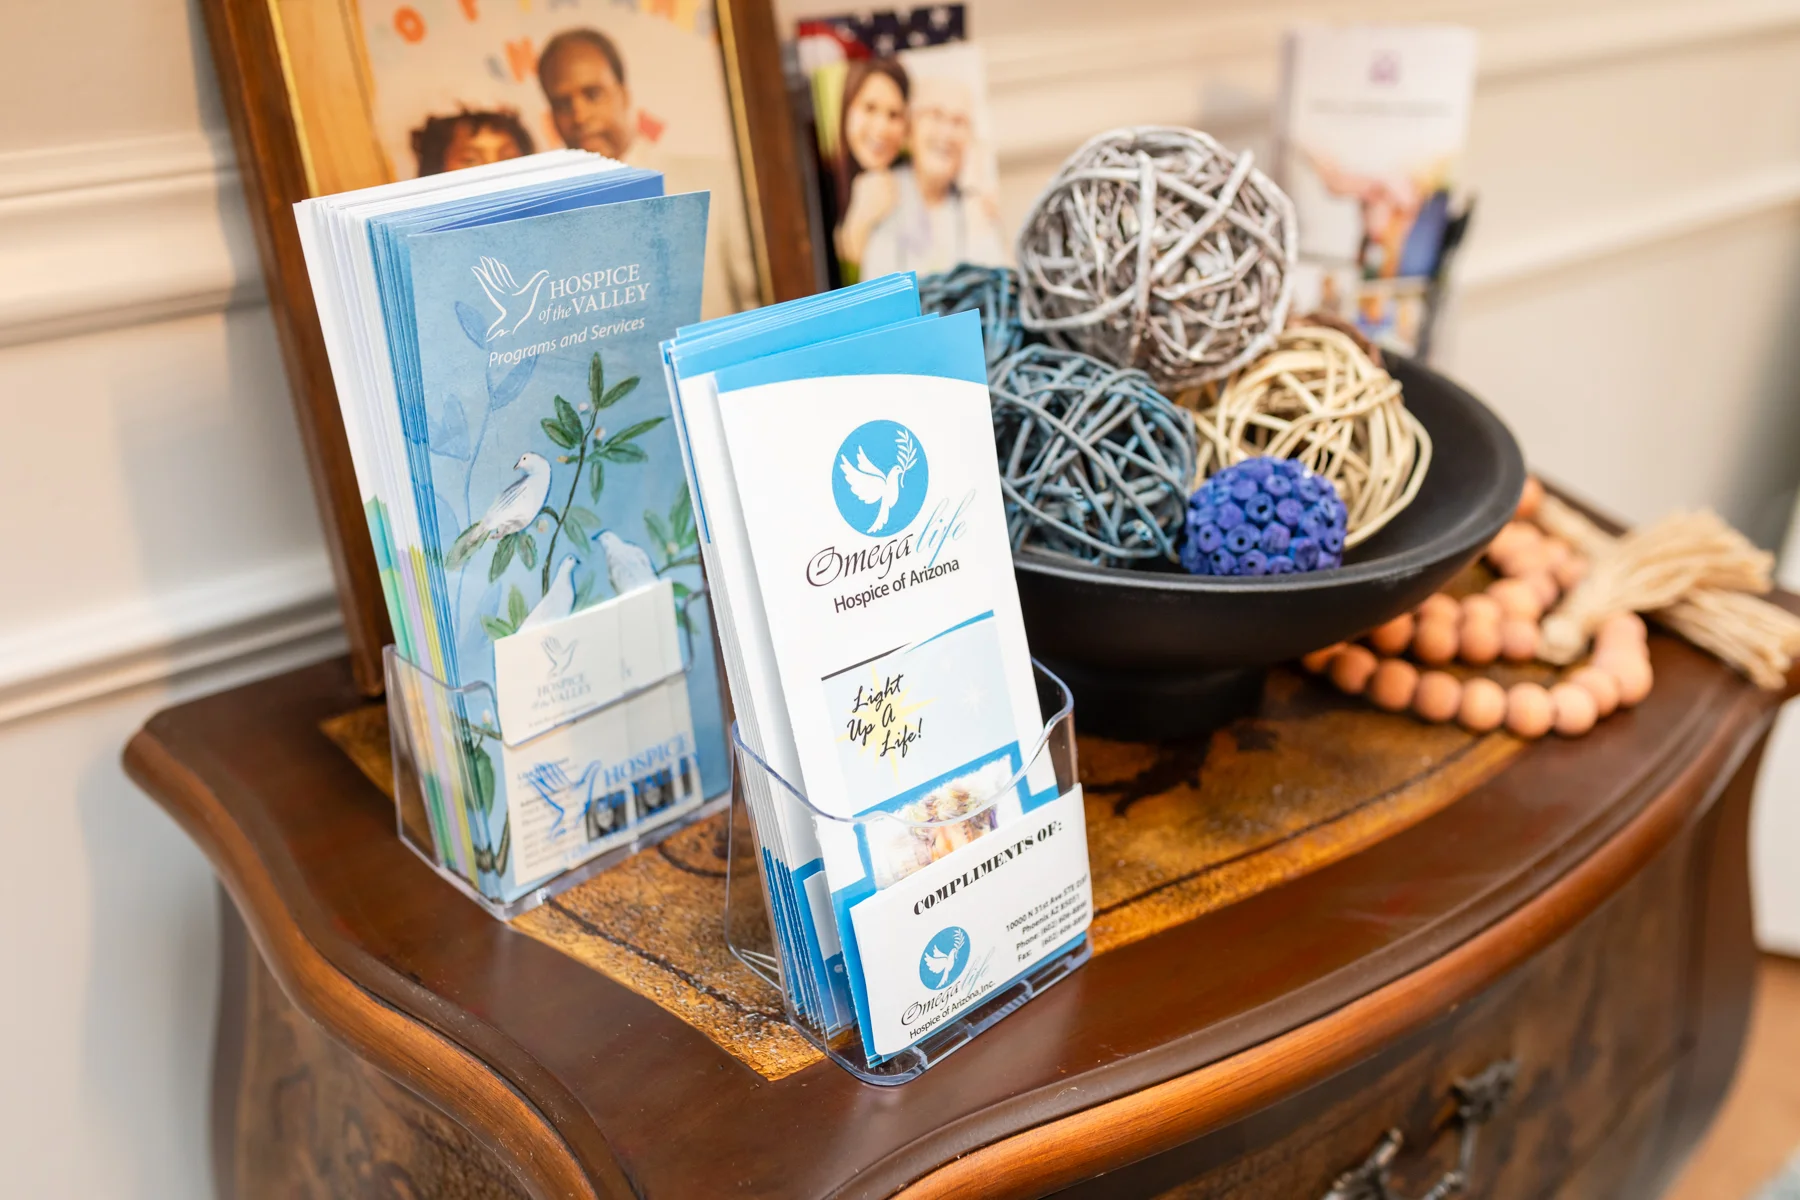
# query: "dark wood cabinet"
[1580,912]
[1607,1034]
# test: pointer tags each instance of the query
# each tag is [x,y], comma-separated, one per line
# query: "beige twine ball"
[1157,248]
[1317,397]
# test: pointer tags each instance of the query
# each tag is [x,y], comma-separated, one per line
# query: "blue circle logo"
[879,478]
[946,957]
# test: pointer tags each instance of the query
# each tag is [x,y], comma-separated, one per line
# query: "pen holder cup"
[766,929]
[452,805]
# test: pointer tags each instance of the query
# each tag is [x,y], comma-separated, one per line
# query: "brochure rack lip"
[749,926]
[432,769]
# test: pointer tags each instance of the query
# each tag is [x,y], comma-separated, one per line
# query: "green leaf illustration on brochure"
[569,583]
[507,438]
[536,435]
[579,551]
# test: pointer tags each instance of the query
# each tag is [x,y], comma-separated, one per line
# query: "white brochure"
[597,738]
[793,865]
[798,898]
[871,497]
[548,674]
[959,930]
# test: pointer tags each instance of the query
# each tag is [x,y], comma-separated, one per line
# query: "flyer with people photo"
[906,163]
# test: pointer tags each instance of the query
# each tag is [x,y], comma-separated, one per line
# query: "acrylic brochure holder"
[448,755]
[1060,917]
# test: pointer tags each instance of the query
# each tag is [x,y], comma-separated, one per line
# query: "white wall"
[1635,263]
[160,541]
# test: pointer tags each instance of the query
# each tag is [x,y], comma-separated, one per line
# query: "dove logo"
[515,301]
[879,478]
[945,958]
[561,657]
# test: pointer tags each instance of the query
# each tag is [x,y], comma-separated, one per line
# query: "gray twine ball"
[1094,461]
[1158,248]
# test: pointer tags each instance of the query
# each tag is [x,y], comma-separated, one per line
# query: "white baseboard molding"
[277,615]
[1775,943]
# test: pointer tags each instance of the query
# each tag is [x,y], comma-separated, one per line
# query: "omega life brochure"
[850,514]
[493,334]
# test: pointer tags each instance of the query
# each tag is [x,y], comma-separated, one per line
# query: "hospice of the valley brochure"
[494,334]
[858,470]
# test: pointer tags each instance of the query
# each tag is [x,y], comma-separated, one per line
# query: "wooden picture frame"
[296,84]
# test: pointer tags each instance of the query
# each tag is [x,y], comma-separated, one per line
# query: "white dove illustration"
[628,566]
[871,486]
[512,510]
[559,598]
[514,301]
[941,964]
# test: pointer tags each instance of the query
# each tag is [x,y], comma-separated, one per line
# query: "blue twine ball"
[1095,462]
[992,291]
[1264,516]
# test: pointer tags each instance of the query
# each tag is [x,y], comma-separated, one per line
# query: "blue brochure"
[495,342]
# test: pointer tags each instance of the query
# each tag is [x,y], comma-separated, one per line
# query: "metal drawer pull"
[1477,1100]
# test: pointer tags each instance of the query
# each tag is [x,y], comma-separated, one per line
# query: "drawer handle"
[1477,1100]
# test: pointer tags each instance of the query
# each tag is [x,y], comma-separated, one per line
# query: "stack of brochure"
[842,460]
[493,334]
[1370,131]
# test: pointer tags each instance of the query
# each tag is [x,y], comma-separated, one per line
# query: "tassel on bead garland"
[1691,572]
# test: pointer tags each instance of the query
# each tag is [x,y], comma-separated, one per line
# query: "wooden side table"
[1551,969]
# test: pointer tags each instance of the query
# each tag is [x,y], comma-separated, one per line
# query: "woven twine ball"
[1158,248]
[991,291]
[1317,397]
[1095,463]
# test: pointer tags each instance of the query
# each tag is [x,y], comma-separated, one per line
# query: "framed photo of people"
[329,95]
[908,177]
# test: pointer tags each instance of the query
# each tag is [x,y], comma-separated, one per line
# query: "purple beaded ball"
[1264,516]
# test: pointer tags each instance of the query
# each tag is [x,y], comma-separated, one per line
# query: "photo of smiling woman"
[907,167]
[468,138]
[936,215]
[874,124]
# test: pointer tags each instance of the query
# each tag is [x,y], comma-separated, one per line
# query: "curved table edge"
[515,1124]
[1163,1116]
[433,1066]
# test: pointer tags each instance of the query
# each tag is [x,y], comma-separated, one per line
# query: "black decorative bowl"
[1155,654]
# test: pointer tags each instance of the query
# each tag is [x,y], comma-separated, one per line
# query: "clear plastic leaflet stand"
[749,921]
[447,750]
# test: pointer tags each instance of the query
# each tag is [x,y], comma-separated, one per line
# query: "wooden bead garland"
[1157,248]
[1503,621]
[1483,706]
